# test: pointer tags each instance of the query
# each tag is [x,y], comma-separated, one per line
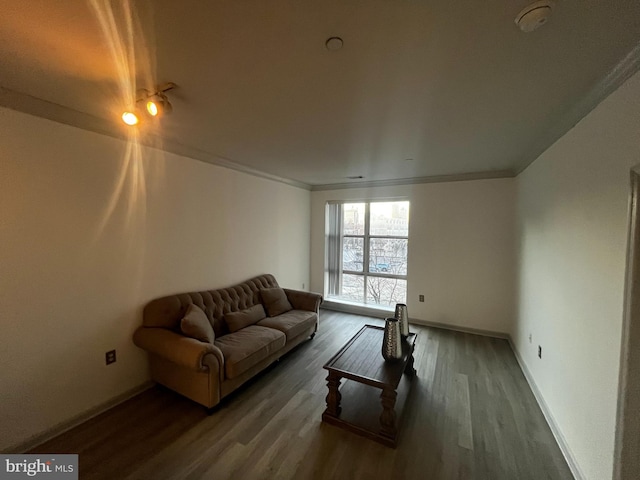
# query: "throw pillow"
[244,318]
[275,301]
[195,324]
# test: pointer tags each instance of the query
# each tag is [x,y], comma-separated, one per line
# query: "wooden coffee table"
[360,362]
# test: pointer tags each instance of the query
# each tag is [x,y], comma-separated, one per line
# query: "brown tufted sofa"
[206,372]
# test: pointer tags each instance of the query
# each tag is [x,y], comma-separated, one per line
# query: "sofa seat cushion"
[239,320]
[291,323]
[247,347]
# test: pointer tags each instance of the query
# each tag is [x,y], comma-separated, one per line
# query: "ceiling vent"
[535,15]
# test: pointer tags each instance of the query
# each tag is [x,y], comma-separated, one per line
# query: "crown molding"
[38,107]
[461,177]
[624,70]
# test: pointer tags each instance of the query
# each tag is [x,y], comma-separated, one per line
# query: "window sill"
[358,308]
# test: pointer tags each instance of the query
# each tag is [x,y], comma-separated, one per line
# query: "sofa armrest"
[185,351]
[301,300]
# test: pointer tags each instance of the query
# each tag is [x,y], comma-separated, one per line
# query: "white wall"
[572,211]
[461,249]
[74,279]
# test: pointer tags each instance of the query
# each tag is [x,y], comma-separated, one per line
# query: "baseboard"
[459,328]
[382,313]
[555,429]
[62,427]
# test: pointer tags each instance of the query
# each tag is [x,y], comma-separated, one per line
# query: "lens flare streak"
[123,33]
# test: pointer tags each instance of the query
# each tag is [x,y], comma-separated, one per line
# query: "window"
[367,252]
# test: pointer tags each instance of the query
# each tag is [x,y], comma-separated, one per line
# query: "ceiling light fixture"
[130,118]
[152,108]
[156,104]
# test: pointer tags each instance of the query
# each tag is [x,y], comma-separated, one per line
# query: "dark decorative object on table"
[392,340]
[402,315]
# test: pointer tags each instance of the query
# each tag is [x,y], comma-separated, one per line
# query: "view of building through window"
[374,240]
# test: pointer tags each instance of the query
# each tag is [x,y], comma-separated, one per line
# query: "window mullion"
[365,266]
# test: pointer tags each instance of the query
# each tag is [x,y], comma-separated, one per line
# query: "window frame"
[366,254]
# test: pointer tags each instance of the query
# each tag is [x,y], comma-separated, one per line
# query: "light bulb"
[152,108]
[130,118]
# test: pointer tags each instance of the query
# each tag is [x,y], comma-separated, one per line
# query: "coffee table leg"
[409,369]
[334,396]
[388,418]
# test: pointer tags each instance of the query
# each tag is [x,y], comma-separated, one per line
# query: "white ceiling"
[454,86]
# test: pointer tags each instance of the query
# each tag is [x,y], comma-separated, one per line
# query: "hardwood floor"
[470,415]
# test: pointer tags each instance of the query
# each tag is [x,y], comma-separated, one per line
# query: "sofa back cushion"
[238,320]
[166,312]
[275,301]
[195,324]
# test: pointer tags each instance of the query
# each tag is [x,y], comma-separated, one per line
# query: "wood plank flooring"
[470,415]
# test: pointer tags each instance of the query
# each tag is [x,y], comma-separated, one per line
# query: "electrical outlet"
[529,338]
[421,298]
[539,351]
[110,357]
[303,286]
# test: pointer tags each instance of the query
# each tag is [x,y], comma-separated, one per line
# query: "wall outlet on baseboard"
[110,357]
[539,351]
[303,286]
[529,338]
[421,298]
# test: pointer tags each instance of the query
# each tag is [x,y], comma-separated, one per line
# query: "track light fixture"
[130,118]
[158,104]
[152,103]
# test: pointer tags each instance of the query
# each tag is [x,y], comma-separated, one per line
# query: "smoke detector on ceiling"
[535,15]
[334,44]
